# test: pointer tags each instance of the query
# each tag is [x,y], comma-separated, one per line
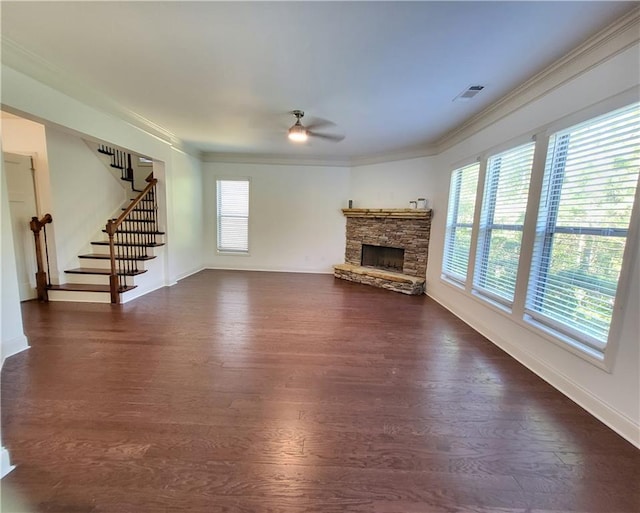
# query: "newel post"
[113,275]
[41,276]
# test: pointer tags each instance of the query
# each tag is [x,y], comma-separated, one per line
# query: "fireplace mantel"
[388,213]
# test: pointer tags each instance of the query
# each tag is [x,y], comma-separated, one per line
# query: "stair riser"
[80,297]
[103,264]
[93,279]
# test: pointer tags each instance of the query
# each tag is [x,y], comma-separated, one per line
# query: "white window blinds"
[501,223]
[591,175]
[462,201]
[233,215]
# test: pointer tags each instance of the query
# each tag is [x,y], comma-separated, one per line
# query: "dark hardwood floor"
[270,392]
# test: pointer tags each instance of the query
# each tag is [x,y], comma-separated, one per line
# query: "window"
[560,274]
[233,215]
[501,223]
[462,201]
[590,178]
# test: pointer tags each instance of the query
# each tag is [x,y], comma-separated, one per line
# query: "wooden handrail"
[41,276]
[113,225]
[131,244]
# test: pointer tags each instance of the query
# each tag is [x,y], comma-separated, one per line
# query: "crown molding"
[273,159]
[413,152]
[34,66]
[409,153]
[612,40]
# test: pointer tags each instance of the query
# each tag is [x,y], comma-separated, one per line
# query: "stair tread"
[86,287]
[104,272]
[143,232]
[102,256]
[141,209]
[135,244]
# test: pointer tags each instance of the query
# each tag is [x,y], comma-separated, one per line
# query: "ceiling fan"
[300,133]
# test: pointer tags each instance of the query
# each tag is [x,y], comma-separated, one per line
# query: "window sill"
[570,344]
[452,282]
[495,304]
[233,253]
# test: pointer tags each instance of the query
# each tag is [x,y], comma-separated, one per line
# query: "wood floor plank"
[272,392]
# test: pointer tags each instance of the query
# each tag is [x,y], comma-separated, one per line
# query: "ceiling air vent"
[468,93]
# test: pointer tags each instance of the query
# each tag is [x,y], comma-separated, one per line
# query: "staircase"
[121,161]
[117,261]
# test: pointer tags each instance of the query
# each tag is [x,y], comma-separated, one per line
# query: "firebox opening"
[383,257]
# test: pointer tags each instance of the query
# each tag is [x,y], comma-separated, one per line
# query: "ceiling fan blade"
[328,137]
[318,123]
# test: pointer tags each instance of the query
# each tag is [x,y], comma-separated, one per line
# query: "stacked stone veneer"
[408,229]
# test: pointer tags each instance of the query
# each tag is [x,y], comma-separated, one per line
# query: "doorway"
[19,171]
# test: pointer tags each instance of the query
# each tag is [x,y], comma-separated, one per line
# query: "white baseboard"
[139,292]
[611,417]
[186,275]
[5,462]
[14,346]
[264,270]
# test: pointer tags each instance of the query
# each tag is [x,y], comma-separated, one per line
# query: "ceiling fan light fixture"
[298,133]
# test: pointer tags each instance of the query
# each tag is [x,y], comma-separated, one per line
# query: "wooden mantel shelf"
[389,213]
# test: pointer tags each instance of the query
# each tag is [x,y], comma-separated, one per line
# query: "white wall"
[392,184]
[13,338]
[296,223]
[12,335]
[614,396]
[186,226]
[295,218]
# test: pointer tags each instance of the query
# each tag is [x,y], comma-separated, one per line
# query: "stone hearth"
[407,229]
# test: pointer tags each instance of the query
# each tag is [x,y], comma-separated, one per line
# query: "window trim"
[452,277]
[600,359]
[588,341]
[484,230]
[225,252]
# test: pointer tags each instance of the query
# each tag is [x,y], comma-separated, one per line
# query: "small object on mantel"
[413,204]
[350,203]
[422,203]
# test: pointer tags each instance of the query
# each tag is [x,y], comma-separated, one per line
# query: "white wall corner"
[186,274]
[14,346]
[611,417]
[5,462]
[141,291]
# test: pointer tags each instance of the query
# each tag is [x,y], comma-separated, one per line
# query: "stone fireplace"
[387,248]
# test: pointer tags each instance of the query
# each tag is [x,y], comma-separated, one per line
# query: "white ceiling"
[222,76]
